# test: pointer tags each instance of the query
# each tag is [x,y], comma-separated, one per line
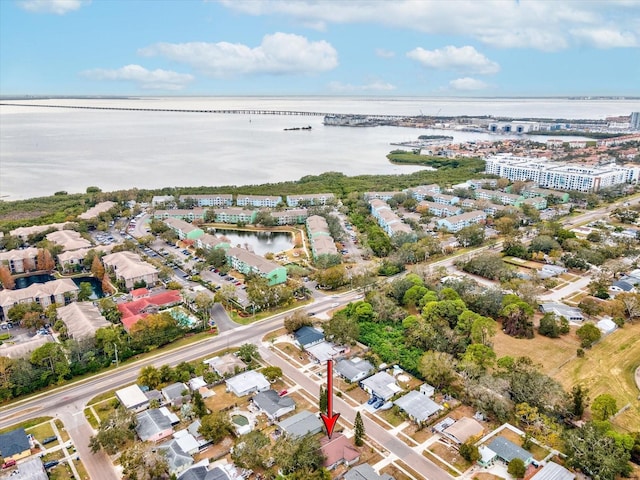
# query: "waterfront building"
[290,217]
[20,260]
[234,215]
[59,291]
[246,262]
[310,199]
[560,176]
[76,257]
[209,242]
[183,229]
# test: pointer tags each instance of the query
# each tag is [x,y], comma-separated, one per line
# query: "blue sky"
[305,47]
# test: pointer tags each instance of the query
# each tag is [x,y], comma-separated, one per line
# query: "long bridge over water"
[220,111]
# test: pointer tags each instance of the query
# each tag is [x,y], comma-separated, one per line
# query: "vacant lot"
[551,353]
[609,367]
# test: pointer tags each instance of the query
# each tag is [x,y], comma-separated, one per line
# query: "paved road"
[374,431]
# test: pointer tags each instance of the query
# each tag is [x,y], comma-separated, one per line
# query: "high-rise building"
[634,123]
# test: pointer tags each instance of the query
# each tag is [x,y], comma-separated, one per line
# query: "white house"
[247,382]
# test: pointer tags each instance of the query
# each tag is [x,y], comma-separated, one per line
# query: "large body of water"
[44,150]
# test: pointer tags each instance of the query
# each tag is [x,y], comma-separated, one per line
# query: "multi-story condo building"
[458,222]
[380,195]
[539,203]
[634,121]
[387,219]
[68,240]
[293,216]
[245,262]
[209,242]
[20,261]
[76,257]
[212,200]
[93,212]
[438,209]
[483,182]
[129,267]
[234,215]
[445,199]
[498,196]
[24,232]
[310,199]
[258,201]
[560,176]
[320,238]
[184,214]
[160,199]
[422,191]
[60,291]
[183,229]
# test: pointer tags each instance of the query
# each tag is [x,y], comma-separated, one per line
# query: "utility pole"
[115,346]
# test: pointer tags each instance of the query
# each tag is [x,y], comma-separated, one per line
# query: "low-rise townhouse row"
[387,219]
[247,262]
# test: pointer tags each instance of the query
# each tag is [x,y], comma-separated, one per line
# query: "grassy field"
[609,367]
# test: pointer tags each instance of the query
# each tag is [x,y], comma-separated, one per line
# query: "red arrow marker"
[329,419]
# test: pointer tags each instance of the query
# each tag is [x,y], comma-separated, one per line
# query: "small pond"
[258,242]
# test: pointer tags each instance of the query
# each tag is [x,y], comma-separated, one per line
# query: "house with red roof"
[337,450]
[140,308]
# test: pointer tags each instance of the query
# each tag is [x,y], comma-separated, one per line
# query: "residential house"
[354,369]
[307,336]
[273,405]
[200,472]
[428,390]
[129,268]
[173,393]
[487,456]
[290,217]
[176,458]
[20,260]
[464,429]
[132,398]
[301,424]
[32,469]
[323,351]
[553,471]
[458,222]
[68,240]
[572,314]
[606,325]
[153,425]
[506,450]
[258,201]
[225,365]
[234,215]
[82,319]
[96,210]
[186,441]
[15,445]
[199,384]
[211,200]
[181,214]
[247,382]
[622,286]
[60,292]
[338,450]
[364,471]
[381,385]
[548,271]
[246,262]
[184,230]
[417,406]
[310,199]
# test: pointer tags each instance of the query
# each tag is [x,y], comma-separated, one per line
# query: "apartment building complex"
[560,176]
[322,242]
[387,219]
[310,199]
[245,262]
[213,200]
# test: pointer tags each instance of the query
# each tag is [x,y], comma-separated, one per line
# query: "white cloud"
[606,38]
[542,25]
[463,59]
[384,53]
[467,84]
[279,53]
[376,86]
[59,7]
[147,79]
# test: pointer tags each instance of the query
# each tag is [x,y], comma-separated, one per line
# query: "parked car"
[378,404]
[372,400]
[49,440]
[50,464]
[9,463]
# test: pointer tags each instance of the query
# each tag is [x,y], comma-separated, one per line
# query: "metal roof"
[507,450]
[417,406]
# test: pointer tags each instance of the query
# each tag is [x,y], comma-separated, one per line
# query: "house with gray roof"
[506,450]
[354,369]
[177,459]
[32,469]
[153,425]
[301,424]
[553,471]
[200,472]
[307,336]
[273,405]
[381,385]
[226,364]
[14,444]
[173,393]
[419,407]
[572,314]
[364,471]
